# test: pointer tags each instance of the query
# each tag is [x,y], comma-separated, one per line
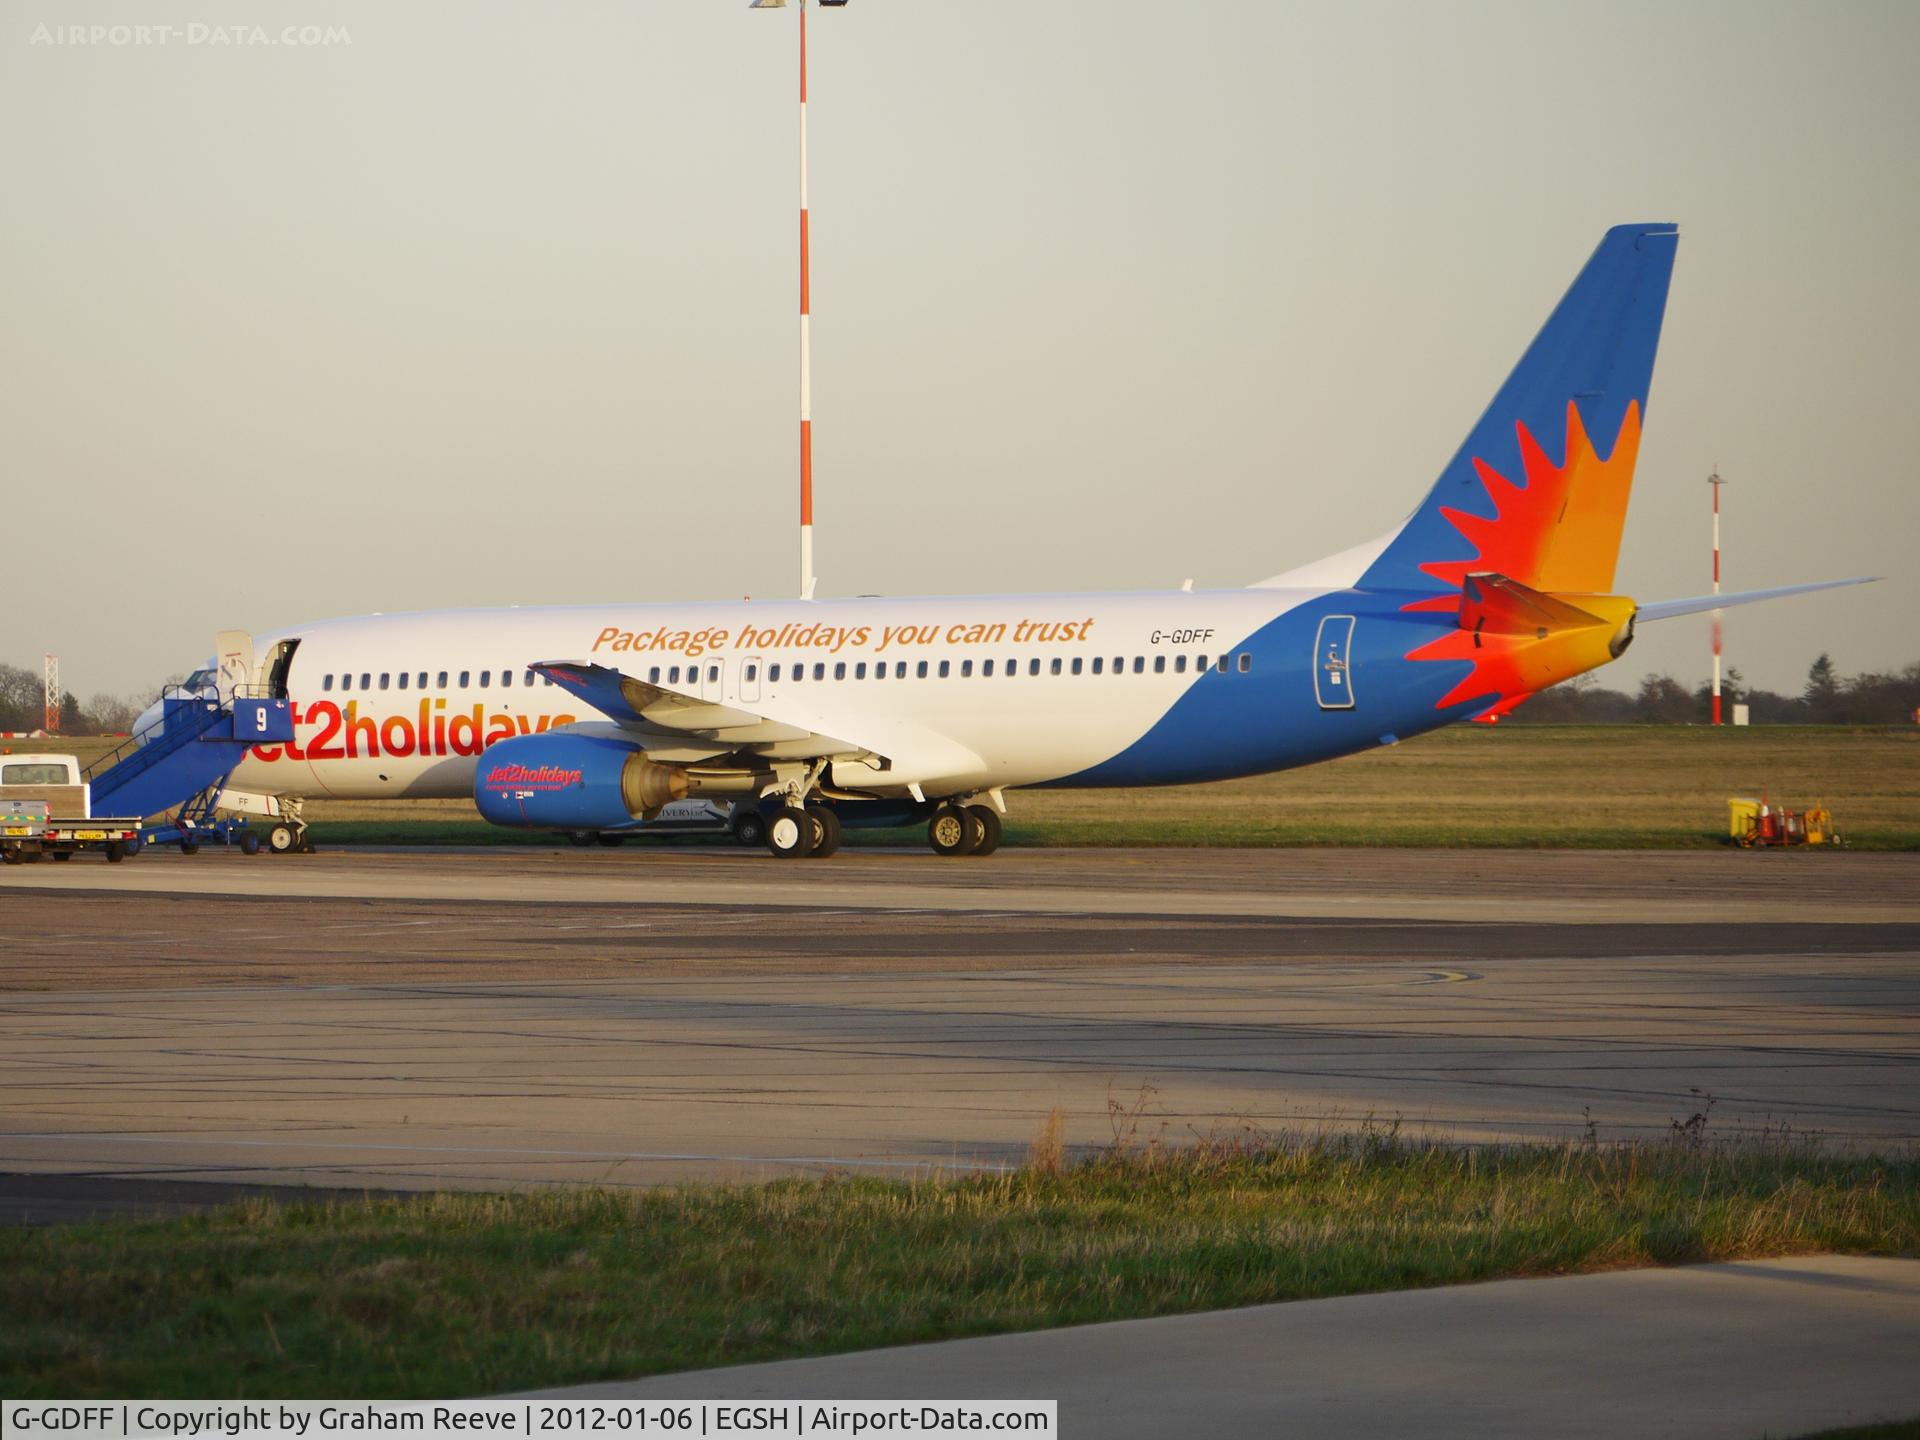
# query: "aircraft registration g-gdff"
[591,718]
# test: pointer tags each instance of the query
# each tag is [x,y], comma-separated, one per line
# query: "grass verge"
[469,1294]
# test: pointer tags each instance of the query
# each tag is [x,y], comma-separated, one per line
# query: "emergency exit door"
[1332,670]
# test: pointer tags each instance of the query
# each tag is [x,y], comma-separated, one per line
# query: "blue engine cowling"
[571,782]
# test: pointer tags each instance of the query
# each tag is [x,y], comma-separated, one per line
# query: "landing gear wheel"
[580,837]
[189,847]
[281,839]
[826,830]
[116,852]
[249,843]
[68,855]
[612,842]
[949,832]
[750,826]
[986,828]
[790,833]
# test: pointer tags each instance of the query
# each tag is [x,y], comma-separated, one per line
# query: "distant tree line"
[22,706]
[1828,698]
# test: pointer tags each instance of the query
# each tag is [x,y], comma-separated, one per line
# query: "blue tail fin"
[1538,491]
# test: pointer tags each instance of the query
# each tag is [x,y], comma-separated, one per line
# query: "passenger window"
[986,668]
[945,667]
[920,671]
[1159,664]
[713,674]
[506,679]
[528,678]
[1033,666]
[839,669]
[819,670]
[1097,660]
[860,671]
[900,670]
[1056,665]
[466,679]
[486,679]
[1200,663]
[753,672]
[773,671]
[880,670]
[673,675]
[443,681]
[1076,664]
[966,669]
[403,679]
[1139,664]
[422,683]
[1179,664]
[1246,662]
[1221,665]
[1119,664]
[385,676]
[799,673]
[326,682]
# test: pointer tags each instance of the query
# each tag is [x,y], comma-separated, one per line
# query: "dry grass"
[471,1294]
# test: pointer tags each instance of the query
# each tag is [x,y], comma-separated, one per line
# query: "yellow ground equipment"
[1760,824]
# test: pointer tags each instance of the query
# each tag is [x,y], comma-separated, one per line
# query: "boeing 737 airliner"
[591,718]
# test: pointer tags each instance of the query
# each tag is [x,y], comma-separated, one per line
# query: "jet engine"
[559,781]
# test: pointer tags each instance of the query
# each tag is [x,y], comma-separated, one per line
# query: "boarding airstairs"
[202,733]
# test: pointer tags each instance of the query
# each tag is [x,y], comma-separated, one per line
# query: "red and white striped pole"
[806,344]
[1715,482]
[806,308]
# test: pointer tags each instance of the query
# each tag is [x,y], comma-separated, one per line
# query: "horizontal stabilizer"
[1700,604]
[1495,605]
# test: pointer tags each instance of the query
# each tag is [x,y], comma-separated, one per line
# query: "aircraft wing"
[679,726]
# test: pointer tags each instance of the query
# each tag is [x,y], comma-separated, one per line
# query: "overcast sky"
[486,304]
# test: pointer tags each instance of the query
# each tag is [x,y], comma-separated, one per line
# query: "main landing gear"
[964,830]
[799,832]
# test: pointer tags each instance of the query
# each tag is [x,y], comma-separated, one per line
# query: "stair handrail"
[222,696]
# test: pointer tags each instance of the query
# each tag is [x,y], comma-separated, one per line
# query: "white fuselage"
[962,693]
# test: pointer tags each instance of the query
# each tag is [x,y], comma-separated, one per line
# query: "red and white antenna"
[1715,482]
[806,311]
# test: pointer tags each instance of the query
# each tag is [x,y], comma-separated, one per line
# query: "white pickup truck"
[46,808]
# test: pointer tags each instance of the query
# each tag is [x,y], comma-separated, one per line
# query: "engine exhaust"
[646,787]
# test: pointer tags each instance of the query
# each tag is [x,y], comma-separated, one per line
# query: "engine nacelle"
[572,782]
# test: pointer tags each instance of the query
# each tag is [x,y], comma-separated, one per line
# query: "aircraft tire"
[750,827]
[281,839]
[826,831]
[986,822]
[790,834]
[949,832]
